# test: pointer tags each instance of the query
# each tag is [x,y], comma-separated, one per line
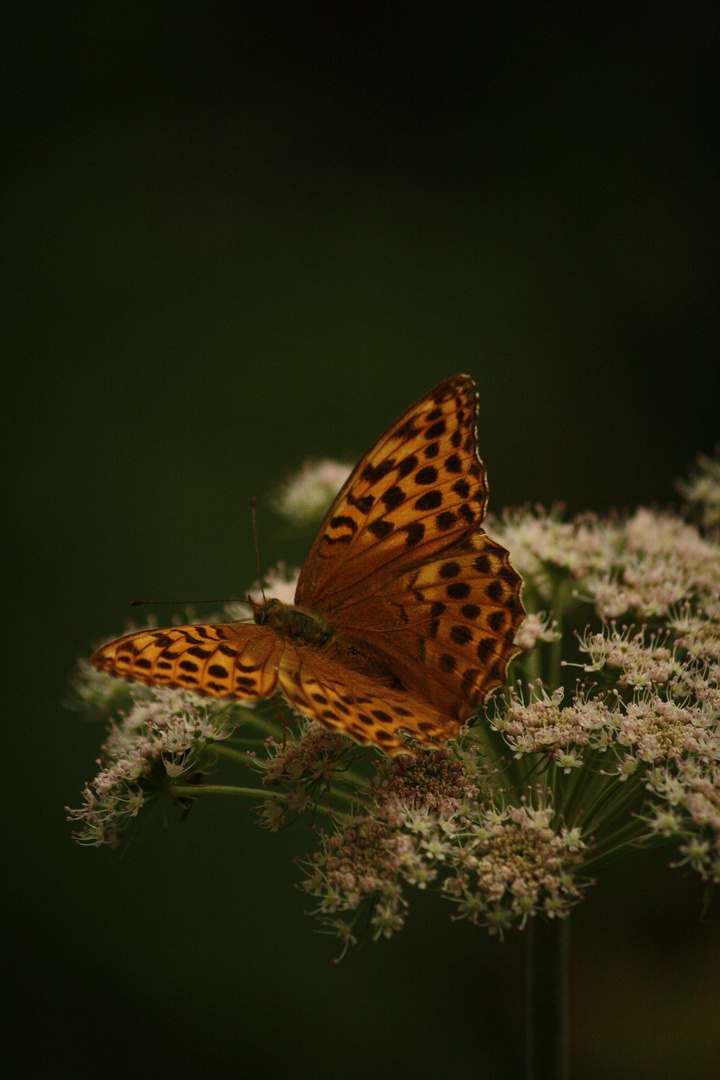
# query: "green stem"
[546,999]
[349,777]
[559,594]
[270,727]
[233,755]
[614,798]
[235,740]
[585,785]
[555,658]
[191,790]
[612,847]
[344,796]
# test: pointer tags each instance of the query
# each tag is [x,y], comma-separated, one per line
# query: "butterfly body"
[292,622]
[405,610]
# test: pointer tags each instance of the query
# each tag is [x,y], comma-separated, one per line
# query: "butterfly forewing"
[230,660]
[420,487]
[436,600]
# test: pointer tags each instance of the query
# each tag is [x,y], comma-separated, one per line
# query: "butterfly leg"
[281,714]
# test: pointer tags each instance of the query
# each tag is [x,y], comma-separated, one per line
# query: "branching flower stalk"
[606,743]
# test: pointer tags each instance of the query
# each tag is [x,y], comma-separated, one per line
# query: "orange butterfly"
[405,611]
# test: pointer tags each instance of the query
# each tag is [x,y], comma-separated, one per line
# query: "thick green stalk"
[546,999]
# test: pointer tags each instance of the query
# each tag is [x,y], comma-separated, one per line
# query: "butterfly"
[405,610]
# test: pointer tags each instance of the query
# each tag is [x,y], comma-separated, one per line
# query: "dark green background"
[237,235]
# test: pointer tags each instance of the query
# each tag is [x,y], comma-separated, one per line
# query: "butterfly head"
[263,611]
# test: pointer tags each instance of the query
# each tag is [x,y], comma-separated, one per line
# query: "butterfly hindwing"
[450,624]
[323,688]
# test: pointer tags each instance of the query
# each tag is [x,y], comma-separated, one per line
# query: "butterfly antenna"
[253,501]
[213,600]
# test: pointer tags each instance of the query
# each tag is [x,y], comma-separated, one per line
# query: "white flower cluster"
[165,735]
[558,776]
[428,823]
[642,565]
[702,490]
[305,496]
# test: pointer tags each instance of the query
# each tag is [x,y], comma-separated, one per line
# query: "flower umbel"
[608,742]
[702,490]
[430,825]
[165,738]
[304,497]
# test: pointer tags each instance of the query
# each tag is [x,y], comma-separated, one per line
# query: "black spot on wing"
[381,528]
[445,520]
[458,590]
[342,521]
[429,501]
[406,466]
[364,503]
[393,497]
[435,431]
[427,475]
[414,533]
